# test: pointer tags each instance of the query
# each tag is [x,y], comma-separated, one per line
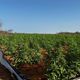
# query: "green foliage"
[63,52]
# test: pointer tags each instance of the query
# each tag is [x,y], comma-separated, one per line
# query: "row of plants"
[60,53]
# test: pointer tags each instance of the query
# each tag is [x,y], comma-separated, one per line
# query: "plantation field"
[57,55]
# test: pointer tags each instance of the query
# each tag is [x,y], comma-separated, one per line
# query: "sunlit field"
[57,56]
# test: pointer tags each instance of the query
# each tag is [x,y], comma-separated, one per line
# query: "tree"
[10,30]
[0,26]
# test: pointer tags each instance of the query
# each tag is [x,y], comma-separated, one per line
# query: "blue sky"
[40,16]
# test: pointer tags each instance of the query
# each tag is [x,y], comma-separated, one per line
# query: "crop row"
[59,53]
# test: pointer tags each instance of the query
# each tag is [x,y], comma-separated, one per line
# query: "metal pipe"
[6,64]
